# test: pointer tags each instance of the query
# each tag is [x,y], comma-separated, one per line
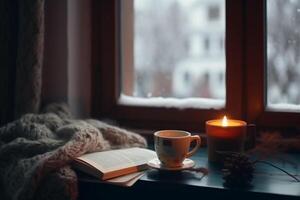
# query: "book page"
[126,180]
[112,160]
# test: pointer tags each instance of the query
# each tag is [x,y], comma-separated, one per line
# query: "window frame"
[245,98]
[256,70]
[106,85]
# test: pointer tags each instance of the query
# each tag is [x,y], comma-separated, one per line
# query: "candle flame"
[224,121]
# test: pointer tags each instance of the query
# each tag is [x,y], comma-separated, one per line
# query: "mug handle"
[198,143]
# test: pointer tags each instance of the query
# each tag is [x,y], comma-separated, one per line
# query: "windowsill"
[268,183]
[283,107]
[160,102]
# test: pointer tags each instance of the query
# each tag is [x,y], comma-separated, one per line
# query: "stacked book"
[120,167]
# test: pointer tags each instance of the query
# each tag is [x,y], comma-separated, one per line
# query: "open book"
[116,163]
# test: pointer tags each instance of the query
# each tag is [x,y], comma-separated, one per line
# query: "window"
[283,55]
[206,44]
[119,56]
[258,65]
[157,66]
[213,12]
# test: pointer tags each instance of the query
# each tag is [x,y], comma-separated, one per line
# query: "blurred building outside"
[179,48]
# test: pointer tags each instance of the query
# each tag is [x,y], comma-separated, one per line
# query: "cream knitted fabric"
[36,151]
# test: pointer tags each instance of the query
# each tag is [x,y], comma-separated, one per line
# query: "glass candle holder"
[225,136]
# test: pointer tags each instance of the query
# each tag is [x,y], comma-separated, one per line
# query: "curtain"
[45,56]
[21,57]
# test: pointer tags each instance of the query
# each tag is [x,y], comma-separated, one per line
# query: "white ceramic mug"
[172,146]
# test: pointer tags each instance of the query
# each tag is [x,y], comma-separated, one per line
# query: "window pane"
[283,53]
[173,49]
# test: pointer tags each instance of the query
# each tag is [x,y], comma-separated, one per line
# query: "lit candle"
[224,135]
[224,121]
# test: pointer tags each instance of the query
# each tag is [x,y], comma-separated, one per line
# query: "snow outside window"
[283,55]
[173,53]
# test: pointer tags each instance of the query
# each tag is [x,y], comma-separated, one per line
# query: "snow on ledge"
[172,102]
[284,107]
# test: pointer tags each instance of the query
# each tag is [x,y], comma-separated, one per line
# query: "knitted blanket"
[36,152]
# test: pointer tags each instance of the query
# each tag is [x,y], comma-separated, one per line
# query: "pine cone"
[238,170]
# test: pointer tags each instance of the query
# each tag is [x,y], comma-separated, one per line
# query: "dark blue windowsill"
[268,183]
